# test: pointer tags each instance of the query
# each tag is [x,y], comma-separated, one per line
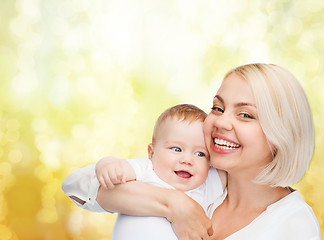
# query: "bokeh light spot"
[15,156]
[12,135]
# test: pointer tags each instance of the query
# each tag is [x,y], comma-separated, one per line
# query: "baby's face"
[180,156]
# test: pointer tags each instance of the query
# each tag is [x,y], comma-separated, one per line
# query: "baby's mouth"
[183,174]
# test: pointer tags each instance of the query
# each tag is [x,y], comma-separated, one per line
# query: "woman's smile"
[224,146]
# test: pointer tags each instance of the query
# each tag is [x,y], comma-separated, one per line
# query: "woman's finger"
[210,230]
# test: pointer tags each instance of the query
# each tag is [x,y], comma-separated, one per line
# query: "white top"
[83,184]
[288,218]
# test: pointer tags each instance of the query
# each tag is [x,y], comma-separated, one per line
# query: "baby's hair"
[182,112]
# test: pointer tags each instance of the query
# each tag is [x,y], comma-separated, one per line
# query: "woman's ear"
[150,151]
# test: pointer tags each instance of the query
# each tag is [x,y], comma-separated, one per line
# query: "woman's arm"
[186,216]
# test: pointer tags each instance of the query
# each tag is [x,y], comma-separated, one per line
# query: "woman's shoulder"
[294,214]
[292,203]
[289,218]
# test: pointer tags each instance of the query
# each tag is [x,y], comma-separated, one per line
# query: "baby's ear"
[150,151]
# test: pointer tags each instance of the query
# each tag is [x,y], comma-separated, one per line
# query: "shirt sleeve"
[82,187]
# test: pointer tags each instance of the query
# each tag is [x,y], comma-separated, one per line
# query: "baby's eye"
[176,149]
[200,154]
[217,109]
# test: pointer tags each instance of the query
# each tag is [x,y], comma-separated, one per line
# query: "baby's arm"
[112,171]
[81,186]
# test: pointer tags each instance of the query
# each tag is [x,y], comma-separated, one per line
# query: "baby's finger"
[113,175]
[108,182]
[123,179]
[119,176]
[102,181]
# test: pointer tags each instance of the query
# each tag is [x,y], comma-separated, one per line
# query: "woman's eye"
[245,115]
[217,109]
[200,154]
[176,149]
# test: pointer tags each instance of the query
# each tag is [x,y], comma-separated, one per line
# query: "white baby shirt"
[83,184]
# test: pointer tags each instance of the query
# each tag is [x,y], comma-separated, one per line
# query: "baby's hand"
[112,171]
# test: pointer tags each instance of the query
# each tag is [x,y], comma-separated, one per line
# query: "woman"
[260,131]
[263,110]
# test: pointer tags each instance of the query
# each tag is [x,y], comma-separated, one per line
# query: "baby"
[177,158]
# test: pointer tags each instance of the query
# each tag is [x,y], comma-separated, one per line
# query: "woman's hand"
[188,219]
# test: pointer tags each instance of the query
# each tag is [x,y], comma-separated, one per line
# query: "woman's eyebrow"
[240,104]
[219,98]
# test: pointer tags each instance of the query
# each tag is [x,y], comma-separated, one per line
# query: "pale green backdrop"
[81,79]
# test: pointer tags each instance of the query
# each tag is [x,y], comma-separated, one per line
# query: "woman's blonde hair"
[286,120]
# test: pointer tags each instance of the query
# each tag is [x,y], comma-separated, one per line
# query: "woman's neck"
[244,193]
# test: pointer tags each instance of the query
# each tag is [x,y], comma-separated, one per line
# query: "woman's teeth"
[223,144]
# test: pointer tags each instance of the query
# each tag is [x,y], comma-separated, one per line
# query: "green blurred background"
[82,79]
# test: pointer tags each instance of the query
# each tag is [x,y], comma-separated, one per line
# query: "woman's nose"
[224,122]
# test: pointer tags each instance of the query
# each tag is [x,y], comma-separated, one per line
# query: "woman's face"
[233,134]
